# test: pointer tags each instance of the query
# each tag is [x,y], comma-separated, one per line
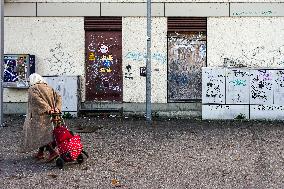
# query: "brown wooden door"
[103,66]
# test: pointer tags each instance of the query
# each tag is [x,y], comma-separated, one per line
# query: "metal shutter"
[179,24]
[103,23]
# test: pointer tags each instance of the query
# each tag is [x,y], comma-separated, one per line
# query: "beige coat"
[37,127]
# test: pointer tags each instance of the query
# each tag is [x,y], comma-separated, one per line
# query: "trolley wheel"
[80,159]
[59,163]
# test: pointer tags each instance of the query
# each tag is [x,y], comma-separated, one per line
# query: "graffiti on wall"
[128,73]
[104,66]
[256,57]
[243,85]
[264,56]
[268,107]
[237,85]
[102,62]
[16,70]
[233,62]
[278,87]
[224,111]
[186,57]
[60,61]
[213,87]
[67,87]
[139,56]
[267,112]
[253,13]
[261,90]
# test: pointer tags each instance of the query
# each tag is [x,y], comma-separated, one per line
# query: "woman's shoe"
[52,156]
[39,155]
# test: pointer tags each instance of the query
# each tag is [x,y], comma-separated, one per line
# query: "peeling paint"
[187,55]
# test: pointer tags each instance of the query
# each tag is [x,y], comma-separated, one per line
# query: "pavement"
[126,152]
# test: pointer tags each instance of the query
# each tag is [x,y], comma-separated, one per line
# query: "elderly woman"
[42,101]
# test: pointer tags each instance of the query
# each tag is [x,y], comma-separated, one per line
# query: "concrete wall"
[251,93]
[134,31]
[125,1]
[138,8]
[62,53]
[238,33]
[57,43]
[251,41]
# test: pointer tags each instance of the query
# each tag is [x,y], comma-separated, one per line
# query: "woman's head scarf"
[36,78]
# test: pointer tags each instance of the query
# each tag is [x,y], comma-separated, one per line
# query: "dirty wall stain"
[60,61]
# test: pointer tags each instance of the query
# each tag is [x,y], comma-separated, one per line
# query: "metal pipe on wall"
[148,66]
[2,60]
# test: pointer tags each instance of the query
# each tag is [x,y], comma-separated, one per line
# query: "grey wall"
[139,9]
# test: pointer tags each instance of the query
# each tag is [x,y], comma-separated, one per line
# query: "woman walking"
[42,101]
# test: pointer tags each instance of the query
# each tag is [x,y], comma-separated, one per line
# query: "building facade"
[104,43]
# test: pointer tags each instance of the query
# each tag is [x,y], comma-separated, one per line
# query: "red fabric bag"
[69,145]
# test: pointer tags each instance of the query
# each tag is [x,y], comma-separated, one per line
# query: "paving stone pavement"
[170,154]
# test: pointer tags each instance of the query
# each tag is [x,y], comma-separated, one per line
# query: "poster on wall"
[17,68]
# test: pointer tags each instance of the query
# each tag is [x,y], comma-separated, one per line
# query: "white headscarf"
[36,78]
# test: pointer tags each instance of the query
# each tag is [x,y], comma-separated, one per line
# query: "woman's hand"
[55,110]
